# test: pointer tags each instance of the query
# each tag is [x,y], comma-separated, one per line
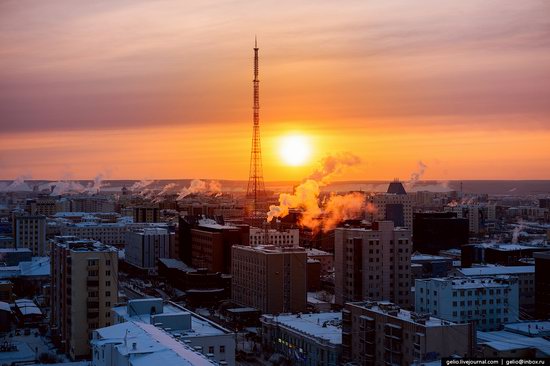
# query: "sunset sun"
[294,150]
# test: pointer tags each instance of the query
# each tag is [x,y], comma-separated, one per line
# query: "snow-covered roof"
[508,341]
[149,345]
[311,325]
[314,252]
[529,328]
[4,306]
[496,270]
[27,307]
[199,325]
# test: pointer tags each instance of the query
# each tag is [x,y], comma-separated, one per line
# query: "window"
[108,262]
[211,349]
[222,349]
[107,293]
[107,273]
[108,283]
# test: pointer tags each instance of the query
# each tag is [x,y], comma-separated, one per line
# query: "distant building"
[181,325]
[325,258]
[146,213]
[91,204]
[44,206]
[496,253]
[271,279]
[135,343]
[486,302]
[144,247]
[435,231]
[373,264]
[380,333]
[84,288]
[394,205]
[107,233]
[542,285]
[305,339]
[30,232]
[431,265]
[13,256]
[478,215]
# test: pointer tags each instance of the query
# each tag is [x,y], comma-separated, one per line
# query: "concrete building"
[44,206]
[305,339]
[181,325]
[30,232]
[290,237]
[373,264]
[394,205]
[84,288]
[526,282]
[380,333]
[146,214]
[478,215]
[211,244]
[144,247]
[325,258]
[107,233]
[136,344]
[435,231]
[269,278]
[542,285]
[486,302]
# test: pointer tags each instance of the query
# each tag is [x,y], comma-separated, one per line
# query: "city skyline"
[162,90]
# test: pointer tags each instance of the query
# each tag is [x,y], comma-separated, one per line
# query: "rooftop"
[393,311]
[313,252]
[509,341]
[199,325]
[530,328]
[496,270]
[270,249]
[323,326]
[212,224]
[148,345]
[500,281]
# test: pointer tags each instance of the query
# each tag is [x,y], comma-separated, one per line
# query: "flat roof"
[405,315]
[149,345]
[507,341]
[199,325]
[322,326]
[496,270]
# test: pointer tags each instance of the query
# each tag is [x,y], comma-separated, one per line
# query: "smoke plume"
[417,175]
[18,185]
[333,210]
[198,186]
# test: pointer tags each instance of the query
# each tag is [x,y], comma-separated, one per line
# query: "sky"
[163,89]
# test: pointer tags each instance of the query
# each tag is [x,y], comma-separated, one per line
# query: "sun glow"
[295,150]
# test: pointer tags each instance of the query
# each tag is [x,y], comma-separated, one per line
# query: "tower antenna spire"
[256,188]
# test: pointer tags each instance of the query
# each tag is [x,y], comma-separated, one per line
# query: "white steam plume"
[306,197]
[198,186]
[18,185]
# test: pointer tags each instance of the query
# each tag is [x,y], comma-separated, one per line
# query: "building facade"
[84,288]
[373,264]
[30,232]
[380,333]
[144,247]
[486,302]
[305,339]
[271,279]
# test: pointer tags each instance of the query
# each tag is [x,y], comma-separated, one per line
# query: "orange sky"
[139,89]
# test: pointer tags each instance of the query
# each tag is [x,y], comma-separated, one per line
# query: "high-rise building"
[486,302]
[144,247]
[269,278]
[84,287]
[30,232]
[394,205]
[373,264]
[380,333]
